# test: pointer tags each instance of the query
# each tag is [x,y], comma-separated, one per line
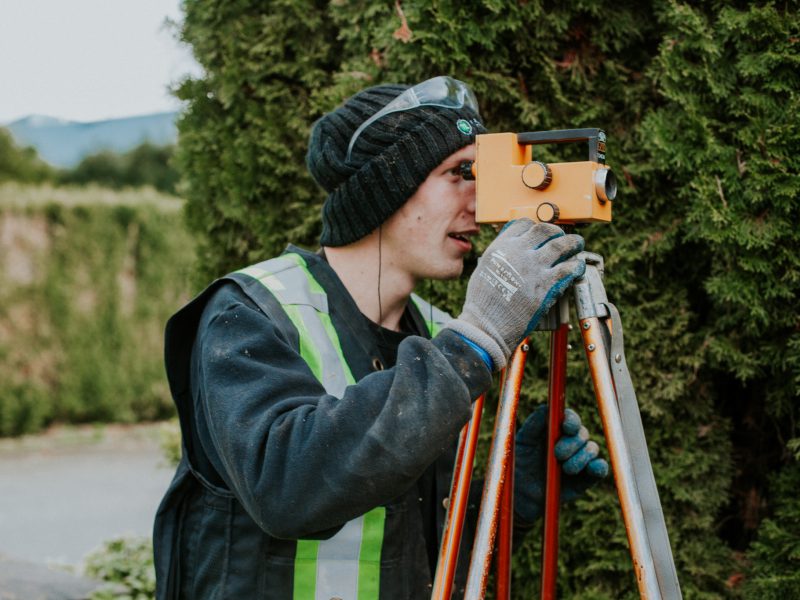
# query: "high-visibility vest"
[346,565]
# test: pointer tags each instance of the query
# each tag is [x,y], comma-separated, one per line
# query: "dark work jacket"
[270,458]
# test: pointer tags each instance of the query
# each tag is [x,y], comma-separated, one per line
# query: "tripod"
[601,331]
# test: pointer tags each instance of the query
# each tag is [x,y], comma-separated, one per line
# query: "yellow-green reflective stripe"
[308,350]
[305,569]
[314,286]
[369,558]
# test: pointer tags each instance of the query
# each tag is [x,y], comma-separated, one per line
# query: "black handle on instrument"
[595,137]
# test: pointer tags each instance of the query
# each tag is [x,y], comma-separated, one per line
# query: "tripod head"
[511,184]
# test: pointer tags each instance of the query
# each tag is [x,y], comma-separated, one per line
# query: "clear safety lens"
[441,91]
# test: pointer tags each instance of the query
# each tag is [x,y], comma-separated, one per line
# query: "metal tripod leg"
[457,505]
[641,509]
[505,534]
[556,398]
[499,456]
[459,496]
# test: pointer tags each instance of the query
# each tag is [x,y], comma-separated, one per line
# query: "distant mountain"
[64,143]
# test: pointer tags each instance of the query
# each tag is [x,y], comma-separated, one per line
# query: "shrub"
[126,564]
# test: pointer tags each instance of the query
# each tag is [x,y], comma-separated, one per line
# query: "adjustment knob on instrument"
[536,175]
[547,212]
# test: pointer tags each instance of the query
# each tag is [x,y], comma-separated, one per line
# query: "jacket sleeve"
[302,461]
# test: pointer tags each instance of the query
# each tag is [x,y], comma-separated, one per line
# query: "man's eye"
[455,171]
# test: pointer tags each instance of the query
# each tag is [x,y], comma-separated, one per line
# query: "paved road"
[62,494]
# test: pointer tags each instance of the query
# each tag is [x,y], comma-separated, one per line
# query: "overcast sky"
[87,60]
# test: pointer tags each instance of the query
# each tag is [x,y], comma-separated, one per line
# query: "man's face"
[429,235]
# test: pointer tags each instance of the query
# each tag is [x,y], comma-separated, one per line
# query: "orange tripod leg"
[622,467]
[505,533]
[496,473]
[457,505]
[556,400]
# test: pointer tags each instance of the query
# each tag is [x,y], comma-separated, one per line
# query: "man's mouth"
[459,236]
[463,239]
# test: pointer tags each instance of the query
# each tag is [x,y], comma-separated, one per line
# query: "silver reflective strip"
[294,286]
[289,283]
[334,379]
[337,563]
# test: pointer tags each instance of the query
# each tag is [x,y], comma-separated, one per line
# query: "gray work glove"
[518,279]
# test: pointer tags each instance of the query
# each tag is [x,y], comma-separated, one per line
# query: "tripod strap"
[640,459]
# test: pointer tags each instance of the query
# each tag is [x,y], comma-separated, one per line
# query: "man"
[320,400]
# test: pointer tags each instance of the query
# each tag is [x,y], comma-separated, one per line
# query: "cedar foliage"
[700,103]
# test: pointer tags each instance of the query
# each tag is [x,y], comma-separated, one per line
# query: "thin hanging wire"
[380,266]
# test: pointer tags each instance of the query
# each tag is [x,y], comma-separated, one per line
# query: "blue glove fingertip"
[597,469]
[578,461]
[572,422]
[567,447]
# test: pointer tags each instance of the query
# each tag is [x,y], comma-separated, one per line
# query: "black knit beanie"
[389,161]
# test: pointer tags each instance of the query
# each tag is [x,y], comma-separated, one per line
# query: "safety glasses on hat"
[441,91]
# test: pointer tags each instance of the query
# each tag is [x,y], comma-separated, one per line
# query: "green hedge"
[88,278]
[700,102]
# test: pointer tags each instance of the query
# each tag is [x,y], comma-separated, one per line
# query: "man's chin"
[449,272]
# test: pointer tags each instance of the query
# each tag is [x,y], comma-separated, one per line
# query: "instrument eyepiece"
[465,169]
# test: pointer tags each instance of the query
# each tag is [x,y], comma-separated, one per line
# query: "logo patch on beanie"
[464,126]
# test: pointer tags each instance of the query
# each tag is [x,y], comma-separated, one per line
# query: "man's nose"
[471,197]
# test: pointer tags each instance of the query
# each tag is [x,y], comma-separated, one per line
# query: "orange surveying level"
[511,185]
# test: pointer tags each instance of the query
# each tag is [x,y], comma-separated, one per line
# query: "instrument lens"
[611,185]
